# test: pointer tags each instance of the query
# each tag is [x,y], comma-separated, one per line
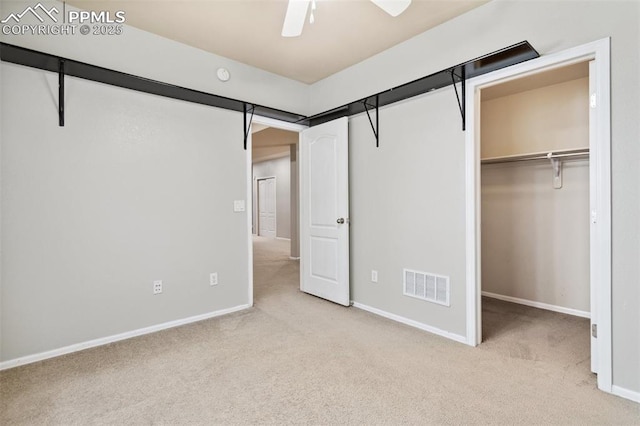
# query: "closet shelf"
[550,155]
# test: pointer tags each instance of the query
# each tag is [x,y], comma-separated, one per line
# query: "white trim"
[625,393]
[294,258]
[600,158]
[539,305]
[115,338]
[472,222]
[601,155]
[283,238]
[593,295]
[283,125]
[249,218]
[410,322]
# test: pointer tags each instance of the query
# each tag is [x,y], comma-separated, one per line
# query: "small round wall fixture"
[223,74]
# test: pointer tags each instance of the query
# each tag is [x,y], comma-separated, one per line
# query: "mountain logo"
[38,11]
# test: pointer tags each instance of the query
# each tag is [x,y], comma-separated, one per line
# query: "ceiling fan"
[297,13]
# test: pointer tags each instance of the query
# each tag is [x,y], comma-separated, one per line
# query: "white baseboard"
[283,238]
[625,393]
[411,322]
[115,338]
[294,258]
[540,305]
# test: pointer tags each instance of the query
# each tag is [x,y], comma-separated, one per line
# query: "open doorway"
[597,212]
[318,177]
[273,199]
[274,184]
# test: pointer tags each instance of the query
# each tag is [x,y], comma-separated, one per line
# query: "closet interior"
[535,190]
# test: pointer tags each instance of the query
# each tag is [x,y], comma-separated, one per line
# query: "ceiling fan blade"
[392,7]
[295,17]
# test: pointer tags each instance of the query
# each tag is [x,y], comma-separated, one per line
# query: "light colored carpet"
[294,358]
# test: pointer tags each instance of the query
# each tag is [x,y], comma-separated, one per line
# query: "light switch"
[238,206]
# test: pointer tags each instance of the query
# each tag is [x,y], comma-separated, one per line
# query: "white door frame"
[600,158]
[283,125]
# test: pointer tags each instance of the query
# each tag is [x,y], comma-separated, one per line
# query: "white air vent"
[425,286]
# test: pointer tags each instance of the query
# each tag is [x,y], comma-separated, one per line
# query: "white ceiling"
[345,32]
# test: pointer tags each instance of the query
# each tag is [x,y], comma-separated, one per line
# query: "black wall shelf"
[47,62]
[508,56]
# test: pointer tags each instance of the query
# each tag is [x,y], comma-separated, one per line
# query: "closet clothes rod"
[563,154]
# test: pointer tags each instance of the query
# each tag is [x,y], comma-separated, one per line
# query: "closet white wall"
[535,239]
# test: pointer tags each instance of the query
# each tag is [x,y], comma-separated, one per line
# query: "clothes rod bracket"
[556,164]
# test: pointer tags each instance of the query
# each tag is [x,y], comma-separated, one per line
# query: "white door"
[324,211]
[267,207]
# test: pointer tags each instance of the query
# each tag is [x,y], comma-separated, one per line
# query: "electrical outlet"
[213,278]
[157,287]
[374,276]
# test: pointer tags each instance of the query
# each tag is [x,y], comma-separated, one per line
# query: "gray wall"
[407,207]
[133,189]
[280,168]
[549,27]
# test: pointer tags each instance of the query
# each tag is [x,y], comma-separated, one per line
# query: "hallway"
[275,275]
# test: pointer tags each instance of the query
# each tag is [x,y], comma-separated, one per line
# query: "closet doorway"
[539,193]
[534,194]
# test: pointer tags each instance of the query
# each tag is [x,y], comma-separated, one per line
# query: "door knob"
[340,221]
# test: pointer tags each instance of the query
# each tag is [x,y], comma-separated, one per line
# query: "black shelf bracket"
[248,109]
[461,103]
[61,92]
[376,127]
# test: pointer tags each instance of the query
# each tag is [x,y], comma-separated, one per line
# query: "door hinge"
[594,330]
[594,216]
[593,100]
